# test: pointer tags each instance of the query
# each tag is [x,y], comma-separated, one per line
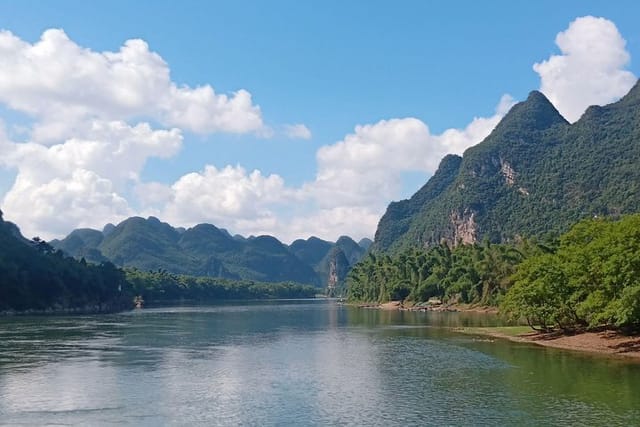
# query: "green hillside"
[205,250]
[34,276]
[534,175]
[326,257]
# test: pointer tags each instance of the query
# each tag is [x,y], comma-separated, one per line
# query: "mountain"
[331,261]
[312,251]
[205,250]
[534,175]
[365,243]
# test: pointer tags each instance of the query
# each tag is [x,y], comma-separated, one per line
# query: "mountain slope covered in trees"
[326,257]
[205,250]
[534,175]
[35,276]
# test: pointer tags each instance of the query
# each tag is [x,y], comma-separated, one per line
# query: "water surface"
[297,363]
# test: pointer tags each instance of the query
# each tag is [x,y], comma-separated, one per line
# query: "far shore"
[607,342]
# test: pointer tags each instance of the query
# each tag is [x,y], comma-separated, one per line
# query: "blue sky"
[405,72]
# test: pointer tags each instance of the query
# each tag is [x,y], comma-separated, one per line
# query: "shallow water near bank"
[297,363]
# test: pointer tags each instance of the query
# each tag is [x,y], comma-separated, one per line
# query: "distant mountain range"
[205,250]
[535,174]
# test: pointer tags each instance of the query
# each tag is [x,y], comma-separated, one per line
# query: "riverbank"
[400,305]
[610,343]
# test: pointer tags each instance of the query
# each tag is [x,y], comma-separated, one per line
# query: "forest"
[588,277]
[161,286]
[35,277]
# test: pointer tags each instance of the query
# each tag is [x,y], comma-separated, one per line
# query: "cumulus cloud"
[91,138]
[230,193]
[84,180]
[364,169]
[356,178]
[591,69]
[331,223]
[297,131]
[62,84]
[53,208]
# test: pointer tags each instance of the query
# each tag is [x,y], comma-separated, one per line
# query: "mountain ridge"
[533,175]
[206,250]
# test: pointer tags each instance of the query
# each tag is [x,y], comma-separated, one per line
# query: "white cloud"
[356,179]
[53,208]
[224,196]
[61,84]
[365,168]
[297,131]
[88,142]
[591,69]
[82,181]
[331,223]
[88,149]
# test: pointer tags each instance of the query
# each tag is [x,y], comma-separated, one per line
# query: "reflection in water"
[297,363]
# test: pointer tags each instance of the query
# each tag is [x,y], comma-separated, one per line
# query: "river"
[297,363]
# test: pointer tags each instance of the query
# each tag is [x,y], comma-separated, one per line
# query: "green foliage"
[205,250]
[466,273]
[162,286]
[35,276]
[540,294]
[592,280]
[535,174]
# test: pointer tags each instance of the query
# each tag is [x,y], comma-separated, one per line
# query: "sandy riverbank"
[605,342]
[610,343]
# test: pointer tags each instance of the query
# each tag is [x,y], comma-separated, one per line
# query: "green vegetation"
[205,250]
[534,174]
[161,286]
[34,276]
[476,274]
[589,278]
[593,279]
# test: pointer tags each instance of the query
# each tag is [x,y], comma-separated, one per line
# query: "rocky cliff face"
[464,227]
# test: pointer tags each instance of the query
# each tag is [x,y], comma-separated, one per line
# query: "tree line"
[588,277]
[162,286]
[36,277]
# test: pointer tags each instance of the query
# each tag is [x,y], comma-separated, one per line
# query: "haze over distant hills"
[534,174]
[205,250]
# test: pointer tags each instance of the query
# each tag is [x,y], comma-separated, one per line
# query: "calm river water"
[297,363]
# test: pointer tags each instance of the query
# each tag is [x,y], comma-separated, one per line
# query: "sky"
[289,118]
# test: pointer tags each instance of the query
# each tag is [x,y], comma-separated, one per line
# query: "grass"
[511,331]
